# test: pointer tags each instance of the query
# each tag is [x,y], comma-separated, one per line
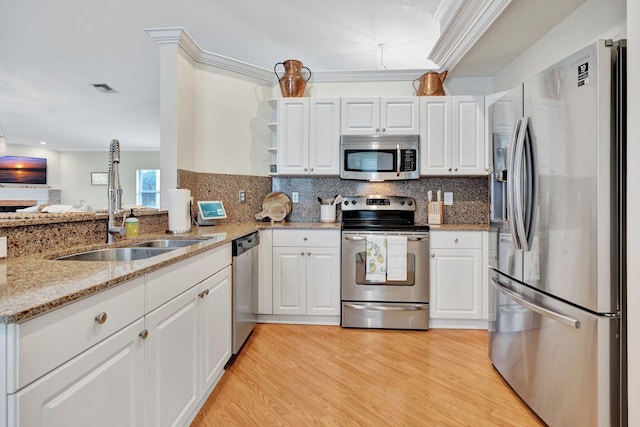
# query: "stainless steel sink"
[117,254]
[168,243]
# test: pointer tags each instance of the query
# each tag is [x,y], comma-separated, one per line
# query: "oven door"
[355,286]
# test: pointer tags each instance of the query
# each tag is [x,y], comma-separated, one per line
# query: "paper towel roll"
[179,210]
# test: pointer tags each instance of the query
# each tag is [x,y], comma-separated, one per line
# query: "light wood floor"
[300,375]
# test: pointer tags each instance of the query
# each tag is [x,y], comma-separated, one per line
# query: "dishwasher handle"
[245,243]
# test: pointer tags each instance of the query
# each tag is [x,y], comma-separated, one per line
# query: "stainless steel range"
[385,264]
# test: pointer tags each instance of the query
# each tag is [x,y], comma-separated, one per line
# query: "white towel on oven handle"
[376,261]
[397,258]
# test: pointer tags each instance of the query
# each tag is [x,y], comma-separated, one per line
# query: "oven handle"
[412,239]
[406,307]
[398,161]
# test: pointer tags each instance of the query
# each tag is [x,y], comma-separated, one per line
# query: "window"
[148,188]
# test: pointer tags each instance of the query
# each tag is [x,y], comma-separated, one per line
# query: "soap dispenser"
[131,226]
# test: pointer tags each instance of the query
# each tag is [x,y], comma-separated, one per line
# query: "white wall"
[633,210]
[595,19]
[76,175]
[231,117]
[453,86]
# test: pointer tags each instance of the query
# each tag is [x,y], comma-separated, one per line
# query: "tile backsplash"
[215,186]
[470,195]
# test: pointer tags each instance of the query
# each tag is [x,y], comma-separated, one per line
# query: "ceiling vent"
[104,88]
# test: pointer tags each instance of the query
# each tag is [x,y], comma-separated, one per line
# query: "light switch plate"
[3,247]
[294,197]
[448,198]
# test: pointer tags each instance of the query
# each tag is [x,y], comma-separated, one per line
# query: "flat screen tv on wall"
[23,170]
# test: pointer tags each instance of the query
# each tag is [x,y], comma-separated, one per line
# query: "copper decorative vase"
[292,83]
[431,84]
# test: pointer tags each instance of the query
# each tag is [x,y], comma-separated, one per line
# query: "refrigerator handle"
[517,183]
[565,319]
[511,184]
[530,184]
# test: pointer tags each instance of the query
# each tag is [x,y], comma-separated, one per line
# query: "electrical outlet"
[294,197]
[3,247]
[242,196]
[448,198]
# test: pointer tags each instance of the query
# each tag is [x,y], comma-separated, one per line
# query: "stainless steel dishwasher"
[245,288]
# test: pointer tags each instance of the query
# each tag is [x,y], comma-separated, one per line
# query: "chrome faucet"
[115,193]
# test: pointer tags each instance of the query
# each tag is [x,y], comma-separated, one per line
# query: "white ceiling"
[52,52]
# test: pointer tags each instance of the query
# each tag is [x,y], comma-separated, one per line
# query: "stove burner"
[380,213]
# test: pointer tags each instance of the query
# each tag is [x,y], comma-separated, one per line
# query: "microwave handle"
[398,160]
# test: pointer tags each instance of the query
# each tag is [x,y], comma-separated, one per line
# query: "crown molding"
[466,25]
[180,36]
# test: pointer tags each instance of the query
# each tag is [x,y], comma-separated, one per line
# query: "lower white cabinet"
[188,344]
[107,361]
[457,279]
[104,386]
[306,272]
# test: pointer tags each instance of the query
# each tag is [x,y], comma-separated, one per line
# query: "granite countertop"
[32,285]
[460,227]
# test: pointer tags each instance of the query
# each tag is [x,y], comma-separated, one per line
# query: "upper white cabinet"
[308,138]
[373,115]
[452,140]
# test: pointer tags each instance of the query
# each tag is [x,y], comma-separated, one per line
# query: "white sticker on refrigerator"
[583,74]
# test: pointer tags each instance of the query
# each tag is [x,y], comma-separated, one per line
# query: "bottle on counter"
[131,226]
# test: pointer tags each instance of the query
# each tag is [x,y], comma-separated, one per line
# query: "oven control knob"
[353,202]
[409,202]
[402,202]
[346,202]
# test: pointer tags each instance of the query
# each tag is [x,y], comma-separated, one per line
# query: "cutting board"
[275,206]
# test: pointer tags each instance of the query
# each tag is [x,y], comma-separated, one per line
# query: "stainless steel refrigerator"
[557,248]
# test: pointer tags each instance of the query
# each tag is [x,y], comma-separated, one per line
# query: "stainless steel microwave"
[379,157]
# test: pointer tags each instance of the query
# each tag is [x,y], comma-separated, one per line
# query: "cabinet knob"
[309,253]
[101,318]
[203,293]
[377,129]
[304,238]
[456,169]
[305,169]
[311,169]
[302,253]
[144,334]
[449,169]
[433,255]
[456,240]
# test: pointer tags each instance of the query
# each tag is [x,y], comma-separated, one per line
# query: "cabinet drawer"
[317,238]
[40,344]
[456,239]
[168,282]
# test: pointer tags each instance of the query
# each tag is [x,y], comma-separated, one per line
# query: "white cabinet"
[308,132]
[215,325]
[452,140]
[189,337]
[104,386]
[145,352]
[62,367]
[373,115]
[458,278]
[306,272]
